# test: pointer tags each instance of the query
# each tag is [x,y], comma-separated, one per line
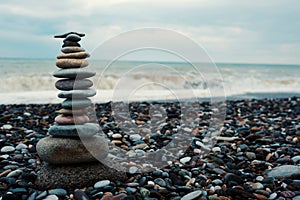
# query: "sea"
[26,81]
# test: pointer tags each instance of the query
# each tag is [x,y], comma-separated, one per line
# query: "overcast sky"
[230,30]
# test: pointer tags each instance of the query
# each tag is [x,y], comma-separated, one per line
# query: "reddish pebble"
[260,196]
[287,194]
[69,119]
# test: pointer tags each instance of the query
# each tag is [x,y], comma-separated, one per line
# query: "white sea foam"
[24,81]
[50,96]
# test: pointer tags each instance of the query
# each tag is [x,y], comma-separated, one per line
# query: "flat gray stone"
[101,184]
[73,94]
[73,84]
[58,192]
[296,159]
[72,49]
[42,195]
[76,103]
[192,195]
[284,171]
[7,149]
[51,197]
[84,130]
[78,73]
[66,63]
[296,197]
[69,151]
[75,176]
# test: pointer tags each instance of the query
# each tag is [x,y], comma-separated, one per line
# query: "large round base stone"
[71,151]
[75,176]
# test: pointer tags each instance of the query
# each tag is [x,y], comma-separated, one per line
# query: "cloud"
[230,30]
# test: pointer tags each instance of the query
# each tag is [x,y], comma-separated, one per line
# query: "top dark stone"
[73,37]
[66,35]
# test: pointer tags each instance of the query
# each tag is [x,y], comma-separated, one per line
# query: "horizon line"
[165,61]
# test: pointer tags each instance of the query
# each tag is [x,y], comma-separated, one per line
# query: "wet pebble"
[51,197]
[58,192]
[101,184]
[255,157]
[160,182]
[192,195]
[185,160]
[287,194]
[80,195]
[7,149]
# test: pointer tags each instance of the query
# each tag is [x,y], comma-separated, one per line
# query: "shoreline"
[103,96]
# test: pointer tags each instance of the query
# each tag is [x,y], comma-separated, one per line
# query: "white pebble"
[216,149]
[185,160]
[117,136]
[7,149]
[101,184]
[259,178]
[217,187]
[151,183]
[273,196]
[135,137]
[284,185]
[133,170]
[27,114]
[7,126]
[186,129]
[5,156]
[192,195]
[15,173]
[51,197]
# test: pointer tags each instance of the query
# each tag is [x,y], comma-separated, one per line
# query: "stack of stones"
[64,145]
[73,139]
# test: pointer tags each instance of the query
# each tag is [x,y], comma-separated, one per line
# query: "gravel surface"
[256,155]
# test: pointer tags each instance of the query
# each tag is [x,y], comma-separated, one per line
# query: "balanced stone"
[74,150]
[68,43]
[73,84]
[76,103]
[77,55]
[66,35]
[73,37]
[68,50]
[71,63]
[65,111]
[84,130]
[71,119]
[76,176]
[73,73]
[70,151]
[74,94]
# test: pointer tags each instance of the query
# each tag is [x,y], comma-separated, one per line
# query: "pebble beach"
[256,155]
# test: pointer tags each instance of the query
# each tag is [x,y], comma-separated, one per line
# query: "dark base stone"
[75,176]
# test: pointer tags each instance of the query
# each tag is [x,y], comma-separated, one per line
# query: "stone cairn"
[67,158]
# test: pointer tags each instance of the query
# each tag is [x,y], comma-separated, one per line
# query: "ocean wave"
[231,84]
[46,82]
